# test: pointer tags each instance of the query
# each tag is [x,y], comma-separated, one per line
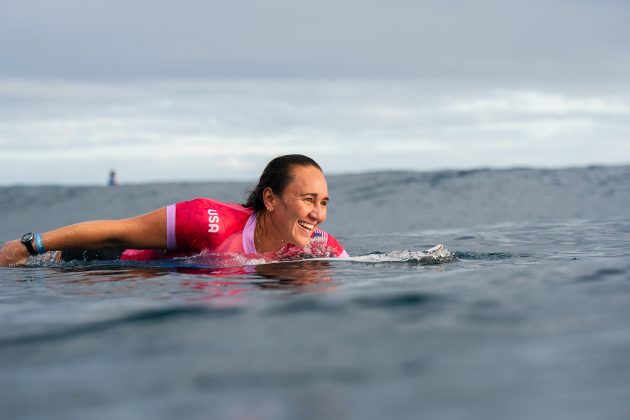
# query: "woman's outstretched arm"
[147,231]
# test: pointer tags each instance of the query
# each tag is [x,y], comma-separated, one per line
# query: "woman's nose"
[319,212]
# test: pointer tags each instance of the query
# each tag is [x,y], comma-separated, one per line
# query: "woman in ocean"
[279,219]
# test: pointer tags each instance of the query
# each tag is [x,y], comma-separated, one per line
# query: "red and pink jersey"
[208,225]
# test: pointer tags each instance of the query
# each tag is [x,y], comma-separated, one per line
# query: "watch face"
[27,238]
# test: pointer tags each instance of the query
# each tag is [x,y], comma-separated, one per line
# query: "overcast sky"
[208,89]
[126,39]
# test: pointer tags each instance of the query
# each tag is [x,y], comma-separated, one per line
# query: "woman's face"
[301,207]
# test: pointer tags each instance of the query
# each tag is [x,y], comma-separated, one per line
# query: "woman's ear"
[269,199]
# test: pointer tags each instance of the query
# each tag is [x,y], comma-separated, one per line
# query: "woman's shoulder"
[209,205]
[323,244]
[330,241]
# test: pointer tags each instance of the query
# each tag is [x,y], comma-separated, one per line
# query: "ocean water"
[526,316]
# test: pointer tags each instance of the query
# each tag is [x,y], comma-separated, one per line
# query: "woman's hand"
[13,253]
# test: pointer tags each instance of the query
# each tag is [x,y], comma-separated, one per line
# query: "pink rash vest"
[208,225]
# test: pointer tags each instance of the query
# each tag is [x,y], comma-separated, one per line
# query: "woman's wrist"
[27,241]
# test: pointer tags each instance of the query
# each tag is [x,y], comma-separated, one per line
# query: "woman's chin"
[301,241]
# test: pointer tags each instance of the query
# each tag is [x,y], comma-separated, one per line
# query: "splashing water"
[436,255]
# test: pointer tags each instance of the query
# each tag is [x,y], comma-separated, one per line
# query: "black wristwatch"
[27,241]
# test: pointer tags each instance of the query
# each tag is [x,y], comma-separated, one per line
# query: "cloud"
[214,129]
[532,102]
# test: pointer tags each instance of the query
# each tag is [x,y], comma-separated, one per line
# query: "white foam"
[423,257]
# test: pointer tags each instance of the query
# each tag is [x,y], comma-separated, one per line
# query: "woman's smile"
[307,226]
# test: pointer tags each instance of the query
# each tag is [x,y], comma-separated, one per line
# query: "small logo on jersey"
[319,235]
[213,221]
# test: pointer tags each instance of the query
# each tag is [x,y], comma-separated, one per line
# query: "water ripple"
[143,317]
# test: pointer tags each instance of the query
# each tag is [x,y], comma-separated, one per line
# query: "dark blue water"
[527,318]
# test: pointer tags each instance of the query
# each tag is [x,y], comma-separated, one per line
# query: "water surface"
[526,320]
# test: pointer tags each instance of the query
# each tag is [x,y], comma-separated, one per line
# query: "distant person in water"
[113,182]
[280,219]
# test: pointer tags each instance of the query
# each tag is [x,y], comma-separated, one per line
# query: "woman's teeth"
[306,226]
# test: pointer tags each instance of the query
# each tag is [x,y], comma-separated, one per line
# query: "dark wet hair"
[277,175]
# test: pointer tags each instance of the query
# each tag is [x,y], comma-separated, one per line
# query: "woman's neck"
[265,241]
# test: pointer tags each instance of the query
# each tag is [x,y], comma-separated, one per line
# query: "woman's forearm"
[96,234]
[144,231]
[140,232]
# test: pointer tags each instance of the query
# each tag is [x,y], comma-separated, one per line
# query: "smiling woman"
[280,219]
